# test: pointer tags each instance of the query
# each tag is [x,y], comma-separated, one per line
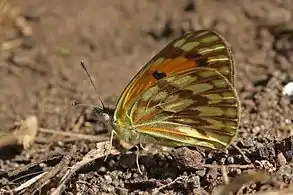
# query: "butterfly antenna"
[82,63]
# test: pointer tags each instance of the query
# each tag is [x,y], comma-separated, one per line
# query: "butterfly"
[184,96]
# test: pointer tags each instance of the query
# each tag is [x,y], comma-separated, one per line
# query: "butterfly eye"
[106,116]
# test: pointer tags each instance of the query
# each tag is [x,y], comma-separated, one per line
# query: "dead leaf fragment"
[24,134]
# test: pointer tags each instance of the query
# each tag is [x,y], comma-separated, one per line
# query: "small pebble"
[128,176]
[102,169]
[230,160]
[28,42]
[135,175]
[288,89]
[212,173]
[285,170]
[187,158]
[195,181]
[112,163]
[201,172]
[121,191]
[168,180]
[31,15]
[108,178]
[234,172]
[281,159]
[21,60]
[142,168]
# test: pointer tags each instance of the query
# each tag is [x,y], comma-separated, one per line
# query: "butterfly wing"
[198,107]
[195,49]
[202,48]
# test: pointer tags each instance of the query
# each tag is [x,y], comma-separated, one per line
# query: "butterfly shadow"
[9,152]
[156,169]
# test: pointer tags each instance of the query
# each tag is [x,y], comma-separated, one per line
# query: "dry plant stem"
[157,190]
[110,144]
[137,160]
[76,135]
[53,156]
[248,166]
[29,182]
[53,172]
[240,151]
[92,155]
[9,45]
[225,175]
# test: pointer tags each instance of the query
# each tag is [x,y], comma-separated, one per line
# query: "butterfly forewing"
[198,107]
[202,48]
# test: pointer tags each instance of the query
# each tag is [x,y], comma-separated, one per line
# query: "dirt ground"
[42,75]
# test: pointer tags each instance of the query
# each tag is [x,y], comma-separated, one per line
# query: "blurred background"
[43,42]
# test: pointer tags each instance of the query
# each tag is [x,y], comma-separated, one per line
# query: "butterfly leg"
[108,149]
[137,158]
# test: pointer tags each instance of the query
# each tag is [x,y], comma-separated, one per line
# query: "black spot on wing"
[200,60]
[159,75]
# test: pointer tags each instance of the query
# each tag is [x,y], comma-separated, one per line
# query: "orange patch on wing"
[145,79]
[170,66]
[161,130]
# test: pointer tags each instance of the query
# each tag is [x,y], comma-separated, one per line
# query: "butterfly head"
[123,139]
[104,112]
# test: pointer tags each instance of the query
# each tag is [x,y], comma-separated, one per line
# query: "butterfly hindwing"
[195,107]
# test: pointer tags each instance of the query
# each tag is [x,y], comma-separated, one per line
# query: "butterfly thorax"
[125,134]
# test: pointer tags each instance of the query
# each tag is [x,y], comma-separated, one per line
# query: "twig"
[248,166]
[29,182]
[53,172]
[9,45]
[157,190]
[98,138]
[50,157]
[92,155]
[225,175]
[241,152]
